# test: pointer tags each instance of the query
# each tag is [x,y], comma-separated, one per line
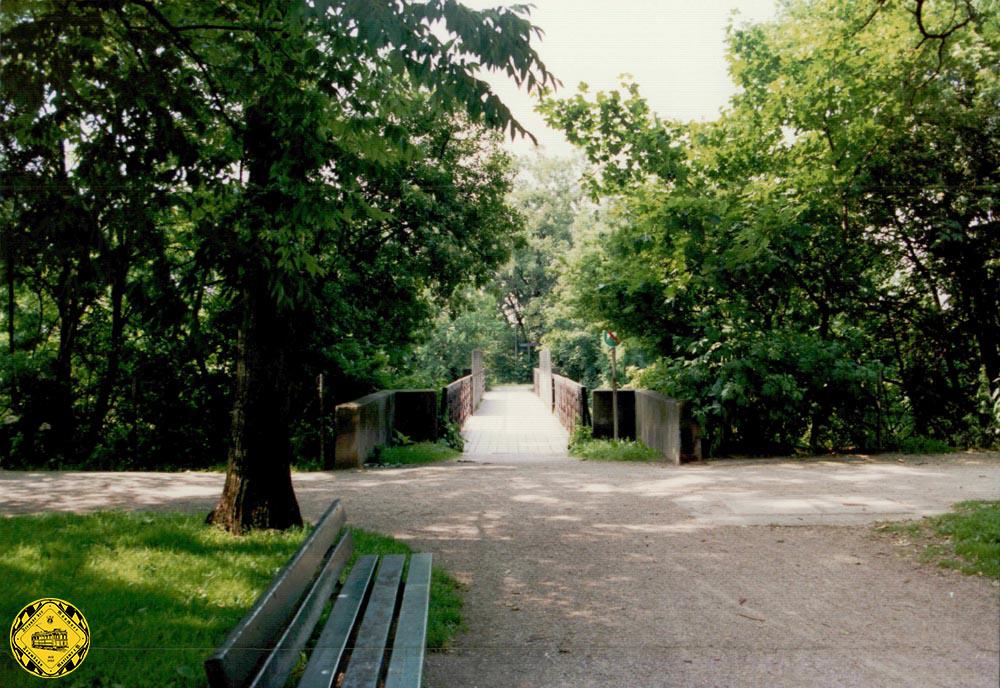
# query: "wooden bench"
[371,605]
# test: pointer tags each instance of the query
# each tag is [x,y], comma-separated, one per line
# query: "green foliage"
[580,435]
[410,454]
[517,312]
[452,436]
[181,177]
[814,271]
[583,445]
[924,445]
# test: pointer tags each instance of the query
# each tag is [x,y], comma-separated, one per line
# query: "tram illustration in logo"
[49,638]
[56,639]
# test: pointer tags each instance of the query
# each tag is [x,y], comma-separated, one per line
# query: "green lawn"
[411,454]
[160,591]
[583,446]
[967,539]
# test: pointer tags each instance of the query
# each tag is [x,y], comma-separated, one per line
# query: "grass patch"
[924,445]
[410,454]
[160,591]
[583,445]
[967,539]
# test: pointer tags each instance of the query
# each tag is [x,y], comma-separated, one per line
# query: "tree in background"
[519,310]
[817,268]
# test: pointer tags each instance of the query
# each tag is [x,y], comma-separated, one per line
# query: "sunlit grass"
[967,539]
[613,450]
[410,454]
[160,591]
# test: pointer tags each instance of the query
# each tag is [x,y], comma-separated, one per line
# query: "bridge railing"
[373,420]
[569,402]
[461,398]
[565,398]
[457,400]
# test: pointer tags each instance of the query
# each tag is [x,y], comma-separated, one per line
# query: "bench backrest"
[250,642]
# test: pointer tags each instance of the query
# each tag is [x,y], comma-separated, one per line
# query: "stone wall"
[362,425]
[658,423]
[569,402]
[370,421]
[662,423]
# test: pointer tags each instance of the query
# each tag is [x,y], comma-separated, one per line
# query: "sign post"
[322,422]
[612,340]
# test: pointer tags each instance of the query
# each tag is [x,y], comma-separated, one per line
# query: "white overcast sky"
[675,49]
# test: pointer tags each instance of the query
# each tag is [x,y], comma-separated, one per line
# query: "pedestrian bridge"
[513,425]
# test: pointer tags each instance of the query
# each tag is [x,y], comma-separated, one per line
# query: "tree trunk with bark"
[258,492]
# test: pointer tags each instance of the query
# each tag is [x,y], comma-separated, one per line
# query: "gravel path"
[604,574]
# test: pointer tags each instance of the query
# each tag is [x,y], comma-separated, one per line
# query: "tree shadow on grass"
[159,594]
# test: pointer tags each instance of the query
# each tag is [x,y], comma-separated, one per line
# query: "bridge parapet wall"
[662,423]
[565,398]
[370,422]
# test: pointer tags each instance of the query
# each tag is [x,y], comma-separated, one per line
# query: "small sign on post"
[611,340]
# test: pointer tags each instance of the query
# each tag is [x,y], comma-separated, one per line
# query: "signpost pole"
[612,341]
[614,390]
[322,422]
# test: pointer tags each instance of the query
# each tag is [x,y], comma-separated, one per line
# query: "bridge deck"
[513,425]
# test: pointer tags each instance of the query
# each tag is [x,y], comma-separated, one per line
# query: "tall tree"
[262,158]
[829,243]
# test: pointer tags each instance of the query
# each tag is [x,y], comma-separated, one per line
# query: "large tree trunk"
[258,491]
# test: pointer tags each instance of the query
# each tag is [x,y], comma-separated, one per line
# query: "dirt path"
[597,574]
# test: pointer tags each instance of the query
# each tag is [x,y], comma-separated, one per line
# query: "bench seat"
[376,629]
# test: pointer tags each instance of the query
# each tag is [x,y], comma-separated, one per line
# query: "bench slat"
[285,656]
[321,672]
[407,660]
[235,660]
[369,651]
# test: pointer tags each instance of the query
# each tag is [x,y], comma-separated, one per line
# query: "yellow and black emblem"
[49,638]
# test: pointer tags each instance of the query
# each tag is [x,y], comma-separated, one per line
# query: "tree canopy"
[819,267]
[207,202]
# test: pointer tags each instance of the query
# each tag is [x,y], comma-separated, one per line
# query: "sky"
[675,50]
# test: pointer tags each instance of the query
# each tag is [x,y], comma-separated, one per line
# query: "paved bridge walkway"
[512,425]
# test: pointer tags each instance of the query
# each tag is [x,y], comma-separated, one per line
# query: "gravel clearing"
[742,573]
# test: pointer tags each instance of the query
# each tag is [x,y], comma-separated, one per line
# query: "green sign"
[611,339]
